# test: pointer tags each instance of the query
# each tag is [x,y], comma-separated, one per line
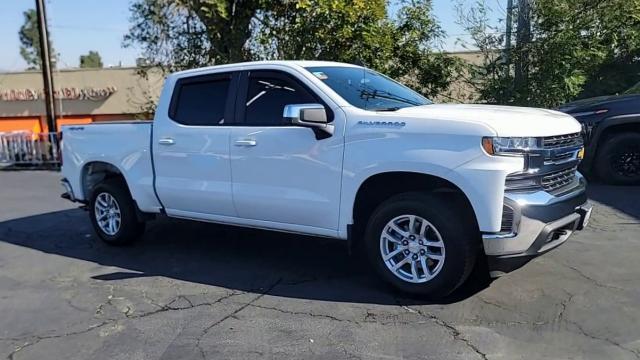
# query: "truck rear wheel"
[113,214]
[421,243]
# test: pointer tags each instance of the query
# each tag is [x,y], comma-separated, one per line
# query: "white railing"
[28,148]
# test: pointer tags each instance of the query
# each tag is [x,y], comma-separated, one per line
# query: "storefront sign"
[65,93]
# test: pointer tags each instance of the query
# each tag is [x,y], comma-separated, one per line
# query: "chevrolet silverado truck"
[337,150]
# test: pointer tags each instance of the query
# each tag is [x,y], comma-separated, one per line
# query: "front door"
[191,148]
[283,174]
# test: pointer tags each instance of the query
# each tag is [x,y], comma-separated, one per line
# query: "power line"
[89,28]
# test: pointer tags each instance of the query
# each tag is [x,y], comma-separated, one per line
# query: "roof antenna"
[359,62]
[363,80]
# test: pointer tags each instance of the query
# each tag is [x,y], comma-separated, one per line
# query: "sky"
[77,26]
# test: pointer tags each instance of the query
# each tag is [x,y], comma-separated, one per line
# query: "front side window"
[268,94]
[367,89]
[201,102]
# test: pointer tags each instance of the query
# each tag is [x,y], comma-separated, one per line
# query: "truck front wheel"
[421,243]
[113,214]
[618,161]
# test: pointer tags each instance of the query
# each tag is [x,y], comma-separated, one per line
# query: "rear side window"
[201,101]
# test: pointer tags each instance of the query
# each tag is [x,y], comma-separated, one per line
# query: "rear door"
[284,174]
[191,147]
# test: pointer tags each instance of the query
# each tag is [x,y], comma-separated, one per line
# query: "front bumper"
[541,222]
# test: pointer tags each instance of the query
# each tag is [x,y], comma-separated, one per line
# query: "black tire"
[618,160]
[457,230]
[130,227]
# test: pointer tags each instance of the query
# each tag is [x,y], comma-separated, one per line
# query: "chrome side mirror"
[308,115]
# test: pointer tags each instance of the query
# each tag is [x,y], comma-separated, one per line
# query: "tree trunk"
[523,40]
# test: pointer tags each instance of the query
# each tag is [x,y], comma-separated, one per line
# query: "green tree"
[182,34]
[187,33]
[341,30]
[30,41]
[361,31]
[578,48]
[414,35]
[91,60]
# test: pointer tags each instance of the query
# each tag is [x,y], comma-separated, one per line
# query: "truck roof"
[290,63]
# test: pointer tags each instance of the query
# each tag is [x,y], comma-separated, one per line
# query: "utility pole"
[506,54]
[45,60]
[507,37]
[522,43]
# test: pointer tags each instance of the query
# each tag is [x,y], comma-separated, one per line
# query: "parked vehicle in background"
[611,131]
[338,150]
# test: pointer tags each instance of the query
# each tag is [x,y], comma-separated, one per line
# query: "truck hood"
[597,103]
[504,120]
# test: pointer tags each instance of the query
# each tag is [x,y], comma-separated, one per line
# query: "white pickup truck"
[338,150]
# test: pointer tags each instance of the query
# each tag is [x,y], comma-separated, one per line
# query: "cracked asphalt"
[202,291]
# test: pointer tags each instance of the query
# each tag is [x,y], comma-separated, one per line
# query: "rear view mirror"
[308,115]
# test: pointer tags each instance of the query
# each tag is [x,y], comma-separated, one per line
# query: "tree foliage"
[30,41]
[361,31]
[578,48]
[190,33]
[91,60]
[414,33]
[180,34]
[322,30]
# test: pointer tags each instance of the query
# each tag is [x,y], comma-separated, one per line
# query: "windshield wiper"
[381,94]
[391,108]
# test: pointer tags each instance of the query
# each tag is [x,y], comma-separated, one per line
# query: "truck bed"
[124,144]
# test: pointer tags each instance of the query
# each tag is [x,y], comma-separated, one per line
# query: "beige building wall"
[461,91]
[83,94]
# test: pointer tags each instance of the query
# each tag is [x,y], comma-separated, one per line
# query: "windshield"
[368,89]
[635,89]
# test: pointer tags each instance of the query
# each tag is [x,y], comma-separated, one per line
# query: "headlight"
[510,146]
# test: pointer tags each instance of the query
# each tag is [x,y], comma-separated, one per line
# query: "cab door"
[284,176]
[191,147]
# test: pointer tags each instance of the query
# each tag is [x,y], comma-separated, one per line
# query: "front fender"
[458,160]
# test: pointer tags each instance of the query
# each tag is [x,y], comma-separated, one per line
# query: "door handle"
[246,142]
[166,141]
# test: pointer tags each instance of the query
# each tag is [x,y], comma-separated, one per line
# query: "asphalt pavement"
[191,290]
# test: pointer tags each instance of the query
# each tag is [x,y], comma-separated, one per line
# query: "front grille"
[552,168]
[507,220]
[559,141]
[562,157]
[558,179]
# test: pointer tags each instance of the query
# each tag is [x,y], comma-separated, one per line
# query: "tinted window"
[367,89]
[635,89]
[201,102]
[268,94]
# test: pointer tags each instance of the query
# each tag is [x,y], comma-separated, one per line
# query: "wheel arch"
[613,126]
[96,172]
[378,187]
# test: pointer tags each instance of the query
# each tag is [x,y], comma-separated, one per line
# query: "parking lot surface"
[191,291]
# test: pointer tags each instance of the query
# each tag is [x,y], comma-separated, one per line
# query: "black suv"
[611,130]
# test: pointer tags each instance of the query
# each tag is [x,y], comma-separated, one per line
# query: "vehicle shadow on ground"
[625,199]
[224,256]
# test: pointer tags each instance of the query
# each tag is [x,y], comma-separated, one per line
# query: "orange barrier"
[26,124]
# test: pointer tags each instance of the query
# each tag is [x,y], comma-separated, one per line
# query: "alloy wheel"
[412,248]
[627,161]
[107,213]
